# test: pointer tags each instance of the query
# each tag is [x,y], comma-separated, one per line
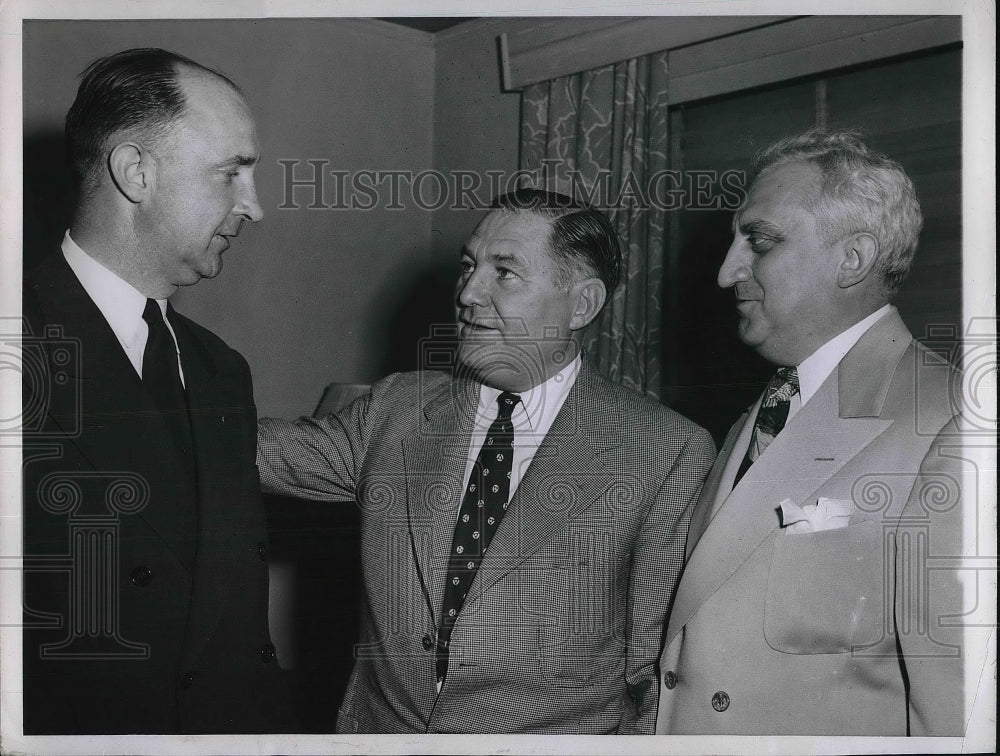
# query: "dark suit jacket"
[563,622]
[127,631]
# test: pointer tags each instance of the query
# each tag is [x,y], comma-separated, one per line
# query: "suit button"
[187,681]
[262,551]
[670,680]
[428,643]
[720,701]
[141,576]
[267,653]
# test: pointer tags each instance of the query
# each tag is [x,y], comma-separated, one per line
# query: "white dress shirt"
[818,366]
[120,303]
[532,418]
[812,372]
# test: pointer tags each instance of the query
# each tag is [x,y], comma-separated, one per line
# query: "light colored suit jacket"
[563,623]
[850,631]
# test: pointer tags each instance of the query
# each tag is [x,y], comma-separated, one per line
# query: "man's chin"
[210,267]
[746,333]
[765,345]
[508,367]
[198,274]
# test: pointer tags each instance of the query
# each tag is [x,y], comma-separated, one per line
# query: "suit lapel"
[107,387]
[218,523]
[865,373]
[716,486]
[797,463]
[565,477]
[107,413]
[862,381]
[434,460]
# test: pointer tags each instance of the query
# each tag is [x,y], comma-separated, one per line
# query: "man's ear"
[132,169]
[589,296]
[858,254]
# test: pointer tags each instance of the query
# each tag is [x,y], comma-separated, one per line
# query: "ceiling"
[427,23]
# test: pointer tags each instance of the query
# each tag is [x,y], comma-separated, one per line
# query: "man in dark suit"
[523,519]
[145,588]
[823,592]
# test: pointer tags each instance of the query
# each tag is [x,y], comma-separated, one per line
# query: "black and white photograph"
[489,379]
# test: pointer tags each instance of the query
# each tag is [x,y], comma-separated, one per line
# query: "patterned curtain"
[602,135]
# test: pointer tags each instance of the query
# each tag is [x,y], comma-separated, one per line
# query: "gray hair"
[861,191]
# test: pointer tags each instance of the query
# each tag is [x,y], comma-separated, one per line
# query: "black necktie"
[483,504]
[772,415]
[161,377]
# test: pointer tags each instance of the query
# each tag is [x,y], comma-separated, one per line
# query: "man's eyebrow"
[756,226]
[239,160]
[504,258]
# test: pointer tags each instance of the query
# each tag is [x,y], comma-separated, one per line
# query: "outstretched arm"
[315,459]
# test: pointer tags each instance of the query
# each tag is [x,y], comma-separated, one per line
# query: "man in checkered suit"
[560,626]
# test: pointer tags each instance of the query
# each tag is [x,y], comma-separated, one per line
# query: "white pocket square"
[825,514]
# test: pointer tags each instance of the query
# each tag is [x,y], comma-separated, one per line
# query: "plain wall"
[476,124]
[309,296]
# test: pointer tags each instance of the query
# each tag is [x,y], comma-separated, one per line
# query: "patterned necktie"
[771,416]
[161,377]
[483,504]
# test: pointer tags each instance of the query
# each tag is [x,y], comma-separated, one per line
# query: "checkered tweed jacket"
[562,626]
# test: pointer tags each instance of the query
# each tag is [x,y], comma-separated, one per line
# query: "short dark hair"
[581,236]
[133,90]
[861,190]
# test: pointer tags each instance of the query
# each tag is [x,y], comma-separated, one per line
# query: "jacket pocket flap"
[825,591]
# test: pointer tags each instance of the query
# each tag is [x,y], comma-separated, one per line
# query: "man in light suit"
[145,588]
[580,490]
[807,604]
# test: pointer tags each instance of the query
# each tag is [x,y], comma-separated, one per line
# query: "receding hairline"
[524,212]
[567,269]
[807,200]
[184,70]
[186,75]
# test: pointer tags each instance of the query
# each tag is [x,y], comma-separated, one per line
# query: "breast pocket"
[584,640]
[826,591]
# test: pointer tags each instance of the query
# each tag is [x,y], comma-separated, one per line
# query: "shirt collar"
[818,366]
[120,302]
[539,405]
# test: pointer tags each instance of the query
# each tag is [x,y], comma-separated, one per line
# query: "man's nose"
[472,290]
[247,204]
[736,266]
